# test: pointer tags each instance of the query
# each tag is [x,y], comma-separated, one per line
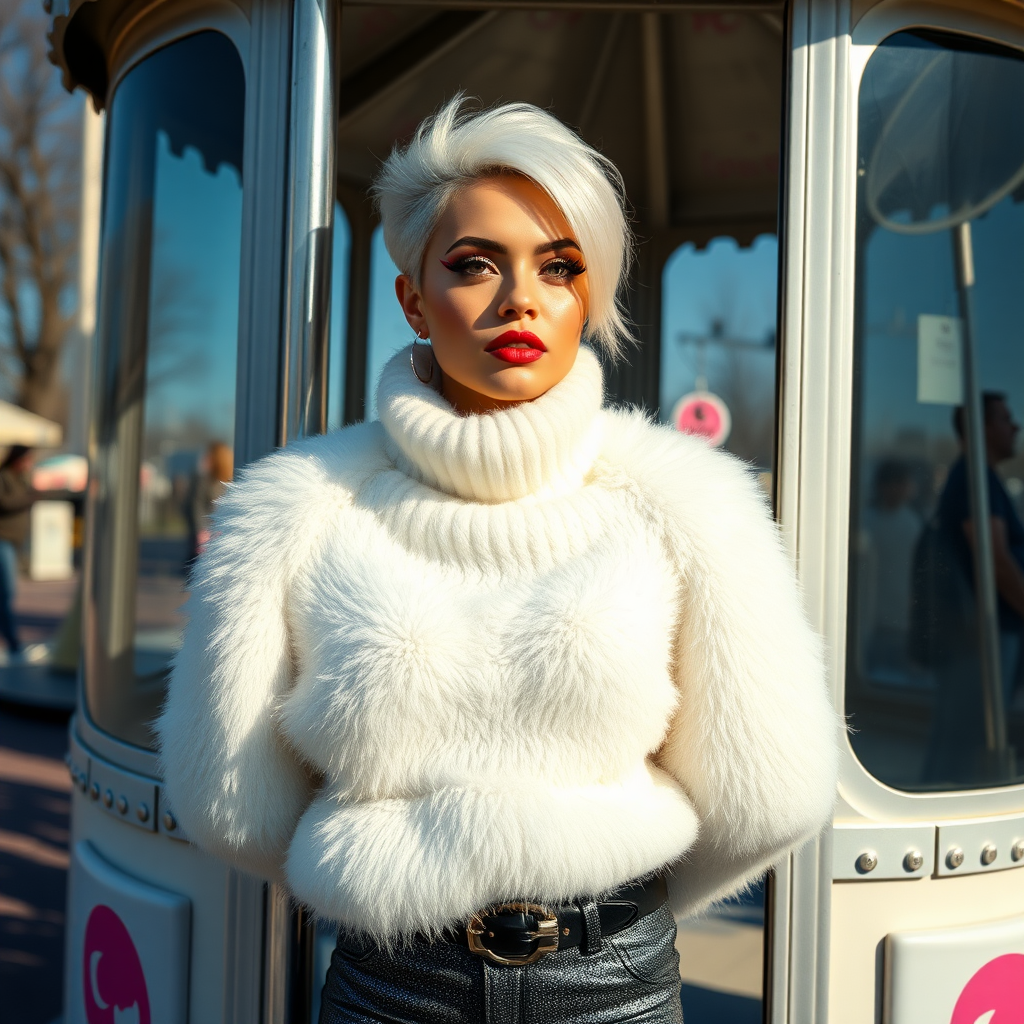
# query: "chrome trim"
[310,221]
[309,190]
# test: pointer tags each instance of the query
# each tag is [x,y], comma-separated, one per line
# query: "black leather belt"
[520,933]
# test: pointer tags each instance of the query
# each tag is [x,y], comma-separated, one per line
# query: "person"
[956,748]
[499,682]
[16,499]
[892,528]
[212,475]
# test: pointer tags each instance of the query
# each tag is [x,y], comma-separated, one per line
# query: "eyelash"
[572,267]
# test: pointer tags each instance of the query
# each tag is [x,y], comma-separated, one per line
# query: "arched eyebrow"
[491,246]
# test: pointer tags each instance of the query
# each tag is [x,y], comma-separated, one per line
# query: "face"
[1000,431]
[502,295]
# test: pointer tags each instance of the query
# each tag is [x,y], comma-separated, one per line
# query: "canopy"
[18,426]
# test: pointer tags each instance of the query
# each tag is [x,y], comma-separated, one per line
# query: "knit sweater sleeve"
[754,739]
[235,785]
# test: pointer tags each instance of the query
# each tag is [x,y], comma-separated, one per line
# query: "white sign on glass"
[939,360]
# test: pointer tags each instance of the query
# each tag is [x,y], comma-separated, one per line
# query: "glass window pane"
[388,330]
[339,317]
[167,350]
[718,338]
[718,346]
[941,142]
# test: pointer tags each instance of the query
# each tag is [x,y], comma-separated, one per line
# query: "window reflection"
[167,350]
[339,318]
[718,337]
[915,686]
[388,330]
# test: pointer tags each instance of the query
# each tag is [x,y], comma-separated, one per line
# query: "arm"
[1009,577]
[234,784]
[16,494]
[754,738]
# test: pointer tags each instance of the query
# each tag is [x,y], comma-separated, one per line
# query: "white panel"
[971,975]
[892,847]
[997,841]
[128,947]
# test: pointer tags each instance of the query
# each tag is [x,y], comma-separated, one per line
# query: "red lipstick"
[517,347]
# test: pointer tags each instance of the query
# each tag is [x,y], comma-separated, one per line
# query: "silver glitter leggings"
[633,977]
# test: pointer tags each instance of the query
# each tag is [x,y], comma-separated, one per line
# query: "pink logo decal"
[115,987]
[995,995]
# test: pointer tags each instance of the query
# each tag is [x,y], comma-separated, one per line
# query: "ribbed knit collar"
[538,447]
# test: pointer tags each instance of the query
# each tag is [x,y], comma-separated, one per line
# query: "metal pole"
[977,478]
[309,230]
[305,331]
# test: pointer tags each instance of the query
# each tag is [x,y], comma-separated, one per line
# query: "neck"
[467,402]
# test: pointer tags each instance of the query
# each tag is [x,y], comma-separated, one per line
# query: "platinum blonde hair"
[455,147]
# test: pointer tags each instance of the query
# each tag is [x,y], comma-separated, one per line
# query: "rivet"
[955,858]
[490,935]
[1017,850]
[122,804]
[142,812]
[988,854]
[108,799]
[170,822]
[94,791]
[913,861]
[867,861]
[565,931]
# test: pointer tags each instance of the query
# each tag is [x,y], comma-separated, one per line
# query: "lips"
[517,347]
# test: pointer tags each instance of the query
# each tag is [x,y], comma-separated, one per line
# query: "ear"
[412,305]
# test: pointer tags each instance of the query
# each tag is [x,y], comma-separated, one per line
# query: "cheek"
[567,310]
[456,311]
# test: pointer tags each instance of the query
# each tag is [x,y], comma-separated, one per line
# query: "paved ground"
[34,805]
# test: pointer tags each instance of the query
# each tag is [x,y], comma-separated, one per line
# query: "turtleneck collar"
[538,447]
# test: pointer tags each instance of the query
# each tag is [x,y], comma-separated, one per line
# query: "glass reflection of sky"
[388,329]
[907,275]
[193,329]
[339,314]
[728,291]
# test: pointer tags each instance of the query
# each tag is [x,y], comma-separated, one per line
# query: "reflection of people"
[16,499]
[536,652]
[957,740]
[893,527]
[209,483]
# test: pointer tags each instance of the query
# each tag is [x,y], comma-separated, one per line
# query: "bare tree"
[39,197]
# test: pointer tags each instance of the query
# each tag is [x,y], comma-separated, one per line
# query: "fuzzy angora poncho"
[436,662]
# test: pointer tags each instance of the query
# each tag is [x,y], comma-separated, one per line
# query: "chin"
[517,386]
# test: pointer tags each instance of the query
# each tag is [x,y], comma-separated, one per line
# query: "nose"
[518,302]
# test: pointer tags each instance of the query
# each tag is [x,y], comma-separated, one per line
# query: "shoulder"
[292,483]
[679,475]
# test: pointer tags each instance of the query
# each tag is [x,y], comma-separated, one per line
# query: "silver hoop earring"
[412,361]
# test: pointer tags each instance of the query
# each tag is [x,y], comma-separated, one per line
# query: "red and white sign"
[995,995]
[704,414]
[115,987]
[128,954]
[971,974]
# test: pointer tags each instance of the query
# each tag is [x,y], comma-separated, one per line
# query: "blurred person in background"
[893,527]
[213,474]
[16,498]
[957,743]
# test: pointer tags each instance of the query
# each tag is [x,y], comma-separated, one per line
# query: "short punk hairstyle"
[455,147]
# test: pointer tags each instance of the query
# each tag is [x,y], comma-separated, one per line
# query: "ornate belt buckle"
[545,935]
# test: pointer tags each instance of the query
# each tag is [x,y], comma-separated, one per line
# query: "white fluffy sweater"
[439,661]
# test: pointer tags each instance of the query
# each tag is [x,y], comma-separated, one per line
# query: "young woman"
[500,682]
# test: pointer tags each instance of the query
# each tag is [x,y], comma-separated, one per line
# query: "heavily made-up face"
[502,295]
